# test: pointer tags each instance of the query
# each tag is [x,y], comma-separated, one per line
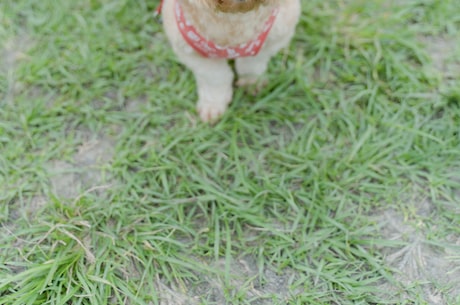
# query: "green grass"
[355,120]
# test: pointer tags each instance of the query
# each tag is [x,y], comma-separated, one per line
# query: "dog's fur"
[228,23]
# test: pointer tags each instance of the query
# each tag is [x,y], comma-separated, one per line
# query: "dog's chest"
[227,29]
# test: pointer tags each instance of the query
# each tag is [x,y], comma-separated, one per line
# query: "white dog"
[205,34]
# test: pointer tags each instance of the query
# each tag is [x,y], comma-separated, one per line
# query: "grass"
[278,203]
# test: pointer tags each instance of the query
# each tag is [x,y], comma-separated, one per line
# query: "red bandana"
[208,48]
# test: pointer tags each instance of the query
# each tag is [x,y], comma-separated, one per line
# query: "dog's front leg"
[251,69]
[214,79]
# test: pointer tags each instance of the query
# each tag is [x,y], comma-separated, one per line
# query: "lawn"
[339,183]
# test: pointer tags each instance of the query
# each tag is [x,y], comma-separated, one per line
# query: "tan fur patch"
[235,6]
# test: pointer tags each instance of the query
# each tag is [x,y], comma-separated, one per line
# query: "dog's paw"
[210,112]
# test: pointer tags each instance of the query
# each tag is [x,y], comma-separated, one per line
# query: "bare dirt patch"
[85,171]
[420,261]
[244,280]
[442,51]
[14,50]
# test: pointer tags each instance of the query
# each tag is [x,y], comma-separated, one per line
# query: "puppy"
[205,34]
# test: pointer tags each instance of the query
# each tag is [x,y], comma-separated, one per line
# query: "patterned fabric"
[209,49]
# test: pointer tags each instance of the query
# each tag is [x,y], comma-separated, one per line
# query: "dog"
[206,34]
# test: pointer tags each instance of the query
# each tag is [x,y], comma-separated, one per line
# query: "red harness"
[208,48]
